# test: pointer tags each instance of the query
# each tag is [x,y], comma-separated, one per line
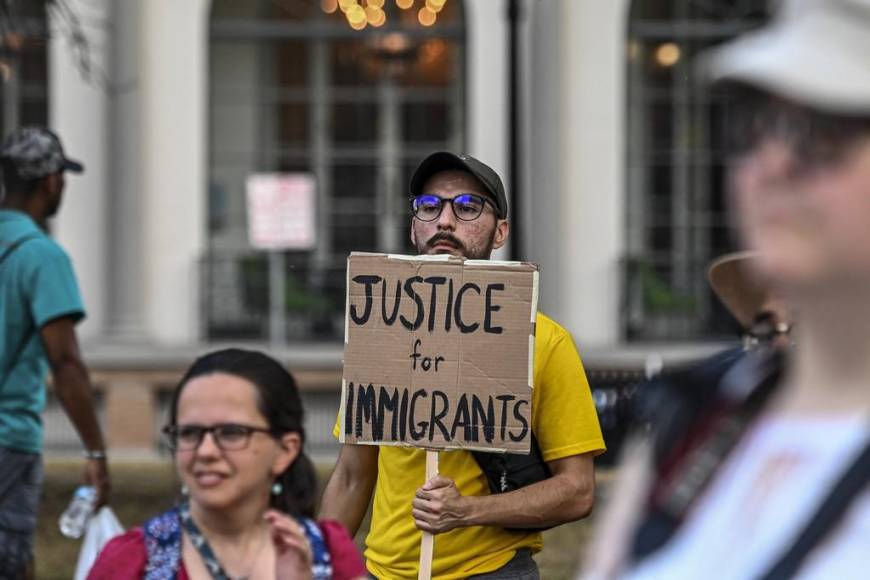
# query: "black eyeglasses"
[466,206]
[227,436]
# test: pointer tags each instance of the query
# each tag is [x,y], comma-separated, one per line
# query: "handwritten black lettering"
[403,414]
[381,413]
[389,320]
[368,281]
[487,417]
[365,406]
[417,435]
[435,281]
[490,308]
[437,415]
[419,307]
[348,415]
[504,401]
[465,328]
[462,420]
[519,417]
[386,402]
[448,312]
[412,294]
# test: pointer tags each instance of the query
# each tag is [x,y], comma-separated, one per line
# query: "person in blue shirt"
[39,308]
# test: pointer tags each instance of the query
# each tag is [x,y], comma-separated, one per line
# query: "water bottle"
[73,520]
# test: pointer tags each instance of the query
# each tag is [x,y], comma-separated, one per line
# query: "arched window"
[294,88]
[676,210]
[23,64]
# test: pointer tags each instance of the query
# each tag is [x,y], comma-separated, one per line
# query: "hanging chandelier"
[362,13]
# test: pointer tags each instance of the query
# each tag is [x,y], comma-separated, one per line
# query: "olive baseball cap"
[445,160]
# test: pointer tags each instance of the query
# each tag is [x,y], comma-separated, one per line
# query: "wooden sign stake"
[427,544]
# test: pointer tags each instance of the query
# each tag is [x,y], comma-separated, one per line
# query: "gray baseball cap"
[36,152]
[445,160]
[813,52]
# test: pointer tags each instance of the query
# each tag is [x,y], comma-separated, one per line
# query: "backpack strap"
[14,245]
[163,544]
[702,445]
[829,513]
[510,471]
[321,567]
[20,347]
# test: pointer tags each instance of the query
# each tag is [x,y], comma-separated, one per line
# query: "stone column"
[78,112]
[578,166]
[173,47]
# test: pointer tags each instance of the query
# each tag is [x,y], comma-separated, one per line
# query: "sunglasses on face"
[466,206]
[227,436]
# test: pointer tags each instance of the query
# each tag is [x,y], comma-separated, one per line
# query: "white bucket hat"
[814,52]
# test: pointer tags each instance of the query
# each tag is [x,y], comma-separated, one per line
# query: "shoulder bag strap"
[838,501]
[17,352]
[321,568]
[14,245]
[162,535]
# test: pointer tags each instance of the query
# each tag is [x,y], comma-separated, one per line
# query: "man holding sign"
[460,210]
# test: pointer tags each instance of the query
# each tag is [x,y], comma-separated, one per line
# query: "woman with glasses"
[235,430]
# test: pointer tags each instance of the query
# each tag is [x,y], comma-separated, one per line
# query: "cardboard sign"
[281,211]
[439,352]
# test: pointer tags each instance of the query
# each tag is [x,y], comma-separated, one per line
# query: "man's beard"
[472,253]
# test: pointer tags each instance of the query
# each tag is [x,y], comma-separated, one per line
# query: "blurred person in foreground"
[39,308]
[235,430]
[460,208]
[770,478]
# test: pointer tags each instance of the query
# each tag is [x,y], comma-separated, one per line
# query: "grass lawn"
[141,490]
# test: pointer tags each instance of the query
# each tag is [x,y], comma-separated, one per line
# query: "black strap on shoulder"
[701,447]
[14,246]
[510,471]
[831,511]
[201,544]
[17,352]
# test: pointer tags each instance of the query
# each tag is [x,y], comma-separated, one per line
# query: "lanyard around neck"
[202,546]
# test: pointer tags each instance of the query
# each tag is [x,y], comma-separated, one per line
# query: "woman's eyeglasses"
[227,436]
[466,206]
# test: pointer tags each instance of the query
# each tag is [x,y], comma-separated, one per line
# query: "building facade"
[588,109]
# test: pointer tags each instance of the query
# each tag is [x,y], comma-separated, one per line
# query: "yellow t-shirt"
[561,395]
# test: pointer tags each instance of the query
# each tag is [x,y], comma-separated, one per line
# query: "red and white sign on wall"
[281,211]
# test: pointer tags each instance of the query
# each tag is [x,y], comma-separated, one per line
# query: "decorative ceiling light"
[668,54]
[427,16]
[362,13]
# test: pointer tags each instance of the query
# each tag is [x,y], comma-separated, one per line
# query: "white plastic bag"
[102,527]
